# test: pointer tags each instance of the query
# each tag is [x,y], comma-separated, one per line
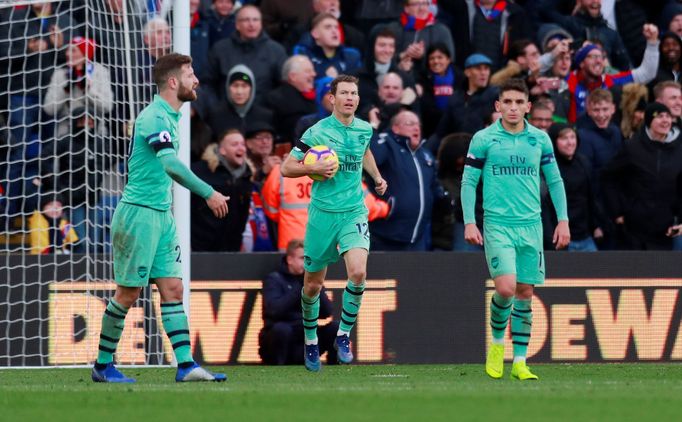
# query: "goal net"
[73,75]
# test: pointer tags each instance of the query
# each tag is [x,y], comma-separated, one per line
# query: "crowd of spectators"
[603,76]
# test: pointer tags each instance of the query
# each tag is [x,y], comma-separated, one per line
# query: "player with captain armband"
[334,153]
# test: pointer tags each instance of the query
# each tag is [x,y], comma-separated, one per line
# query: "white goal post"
[75,76]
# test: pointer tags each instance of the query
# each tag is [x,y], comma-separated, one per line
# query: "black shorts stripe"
[520,334]
[167,304]
[118,308]
[501,307]
[520,343]
[106,349]
[180,344]
[107,338]
[113,315]
[474,162]
[348,314]
[354,293]
[345,321]
[152,136]
[177,332]
[303,147]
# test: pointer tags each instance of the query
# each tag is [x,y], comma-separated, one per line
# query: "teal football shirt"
[343,192]
[510,165]
[155,134]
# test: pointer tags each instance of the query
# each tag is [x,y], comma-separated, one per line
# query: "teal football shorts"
[330,234]
[515,250]
[145,245]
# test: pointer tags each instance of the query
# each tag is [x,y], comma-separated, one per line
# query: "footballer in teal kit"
[145,244]
[337,216]
[508,157]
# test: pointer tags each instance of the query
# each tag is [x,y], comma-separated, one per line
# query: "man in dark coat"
[223,166]
[294,98]
[251,46]
[643,184]
[281,339]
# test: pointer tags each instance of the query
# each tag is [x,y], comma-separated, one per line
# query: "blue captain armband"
[547,159]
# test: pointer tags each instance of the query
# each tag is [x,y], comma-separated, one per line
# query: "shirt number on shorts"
[177,249]
[363,229]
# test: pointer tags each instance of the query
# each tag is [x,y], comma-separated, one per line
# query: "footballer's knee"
[171,290]
[126,296]
[524,291]
[357,275]
[312,284]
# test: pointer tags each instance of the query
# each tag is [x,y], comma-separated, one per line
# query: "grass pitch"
[577,392]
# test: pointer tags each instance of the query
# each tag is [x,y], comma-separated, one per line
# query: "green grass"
[575,392]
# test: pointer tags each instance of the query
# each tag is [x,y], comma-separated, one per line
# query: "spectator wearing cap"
[470,103]
[80,83]
[671,18]
[589,64]
[50,231]
[584,212]
[237,107]
[251,46]
[328,55]
[324,107]
[642,184]
[260,139]
[294,98]
[223,166]
[670,64]
[488,27]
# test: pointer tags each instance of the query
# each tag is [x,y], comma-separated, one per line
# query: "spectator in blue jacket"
[329,57]
[281,339]
[410,171]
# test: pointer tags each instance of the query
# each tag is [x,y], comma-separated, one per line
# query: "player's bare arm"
[371,168]
[291,167]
